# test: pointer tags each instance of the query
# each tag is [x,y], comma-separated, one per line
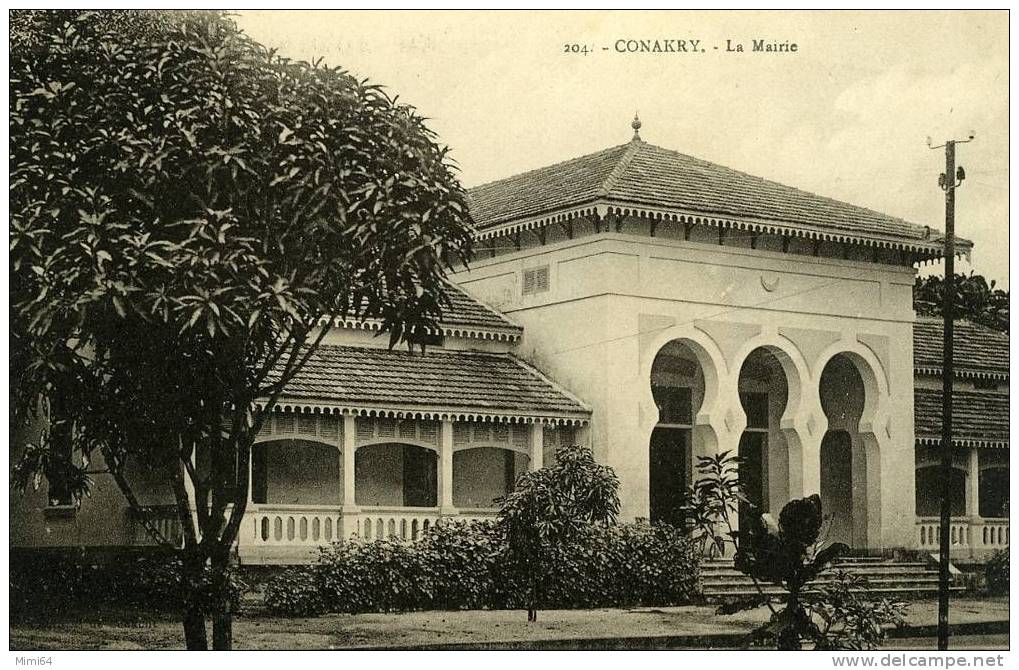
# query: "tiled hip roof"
[978,418]
[465,317]
[467,311]
[437,381]
[642,174]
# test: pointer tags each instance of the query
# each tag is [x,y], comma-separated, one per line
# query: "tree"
[189,213]
[549,506]
[975,300]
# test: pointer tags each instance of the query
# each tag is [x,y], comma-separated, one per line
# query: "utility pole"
[949,181]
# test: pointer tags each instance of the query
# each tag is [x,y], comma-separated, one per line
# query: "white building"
[650,304]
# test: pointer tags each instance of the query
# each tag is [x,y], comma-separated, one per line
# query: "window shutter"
[536,280]
[529,280]
[541,279]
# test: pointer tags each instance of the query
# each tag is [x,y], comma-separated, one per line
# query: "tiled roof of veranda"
[978,350]
[466,316]
[430,384]
[979,418]
[642,174]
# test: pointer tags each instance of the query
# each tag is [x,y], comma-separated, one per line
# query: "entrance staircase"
[886,577]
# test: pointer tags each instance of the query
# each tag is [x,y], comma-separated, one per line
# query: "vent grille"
[536,280]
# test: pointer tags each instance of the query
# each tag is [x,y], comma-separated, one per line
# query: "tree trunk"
[532,611]
[195,634]
[195,638]
[222,619]
[223,628]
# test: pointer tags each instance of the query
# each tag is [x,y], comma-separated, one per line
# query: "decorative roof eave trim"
[511,334]
[972,442]
[930,250]
[427,413]
[963,374]
[511,227]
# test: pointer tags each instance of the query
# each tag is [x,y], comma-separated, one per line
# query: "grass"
[111,629]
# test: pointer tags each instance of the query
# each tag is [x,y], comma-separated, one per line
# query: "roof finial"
[636,126]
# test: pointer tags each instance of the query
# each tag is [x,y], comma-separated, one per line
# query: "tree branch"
[143,513]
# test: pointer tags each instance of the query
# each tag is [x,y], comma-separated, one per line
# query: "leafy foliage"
[975,300]
[849,619]
[712,502]
[551,505]
[471,566]
[295,593]
[621,565]
[189,213]
[997,573]
[834,612]
[52,582]
[786,552]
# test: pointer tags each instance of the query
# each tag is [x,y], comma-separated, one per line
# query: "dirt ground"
[258,631]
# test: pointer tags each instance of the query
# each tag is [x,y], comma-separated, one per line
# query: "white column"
[349,510]
[537,453]
[251,480]
[446,470]
[973,485]
[347,451]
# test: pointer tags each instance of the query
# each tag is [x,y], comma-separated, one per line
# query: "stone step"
[874,565]
[873,582]
[720,580]
[905,591]
[868,572]
[886,579]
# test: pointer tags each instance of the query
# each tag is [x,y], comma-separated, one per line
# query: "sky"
[846,115]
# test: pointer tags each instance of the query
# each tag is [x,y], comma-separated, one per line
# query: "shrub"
[996,573]
[58,581]
[453,566]
[550,508]
[621,565]
[295,593]
[470,566]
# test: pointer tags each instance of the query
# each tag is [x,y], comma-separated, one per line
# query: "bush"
[58,581]
[621,565]
[295,593]
[469,566]
[996,573]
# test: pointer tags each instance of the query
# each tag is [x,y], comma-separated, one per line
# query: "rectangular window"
[536,280]
[674,404]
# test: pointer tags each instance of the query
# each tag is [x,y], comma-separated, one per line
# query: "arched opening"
[994,485]
[844,456]
[296,472]
[482,475]
[677,384]
[764,456]
[395,475]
